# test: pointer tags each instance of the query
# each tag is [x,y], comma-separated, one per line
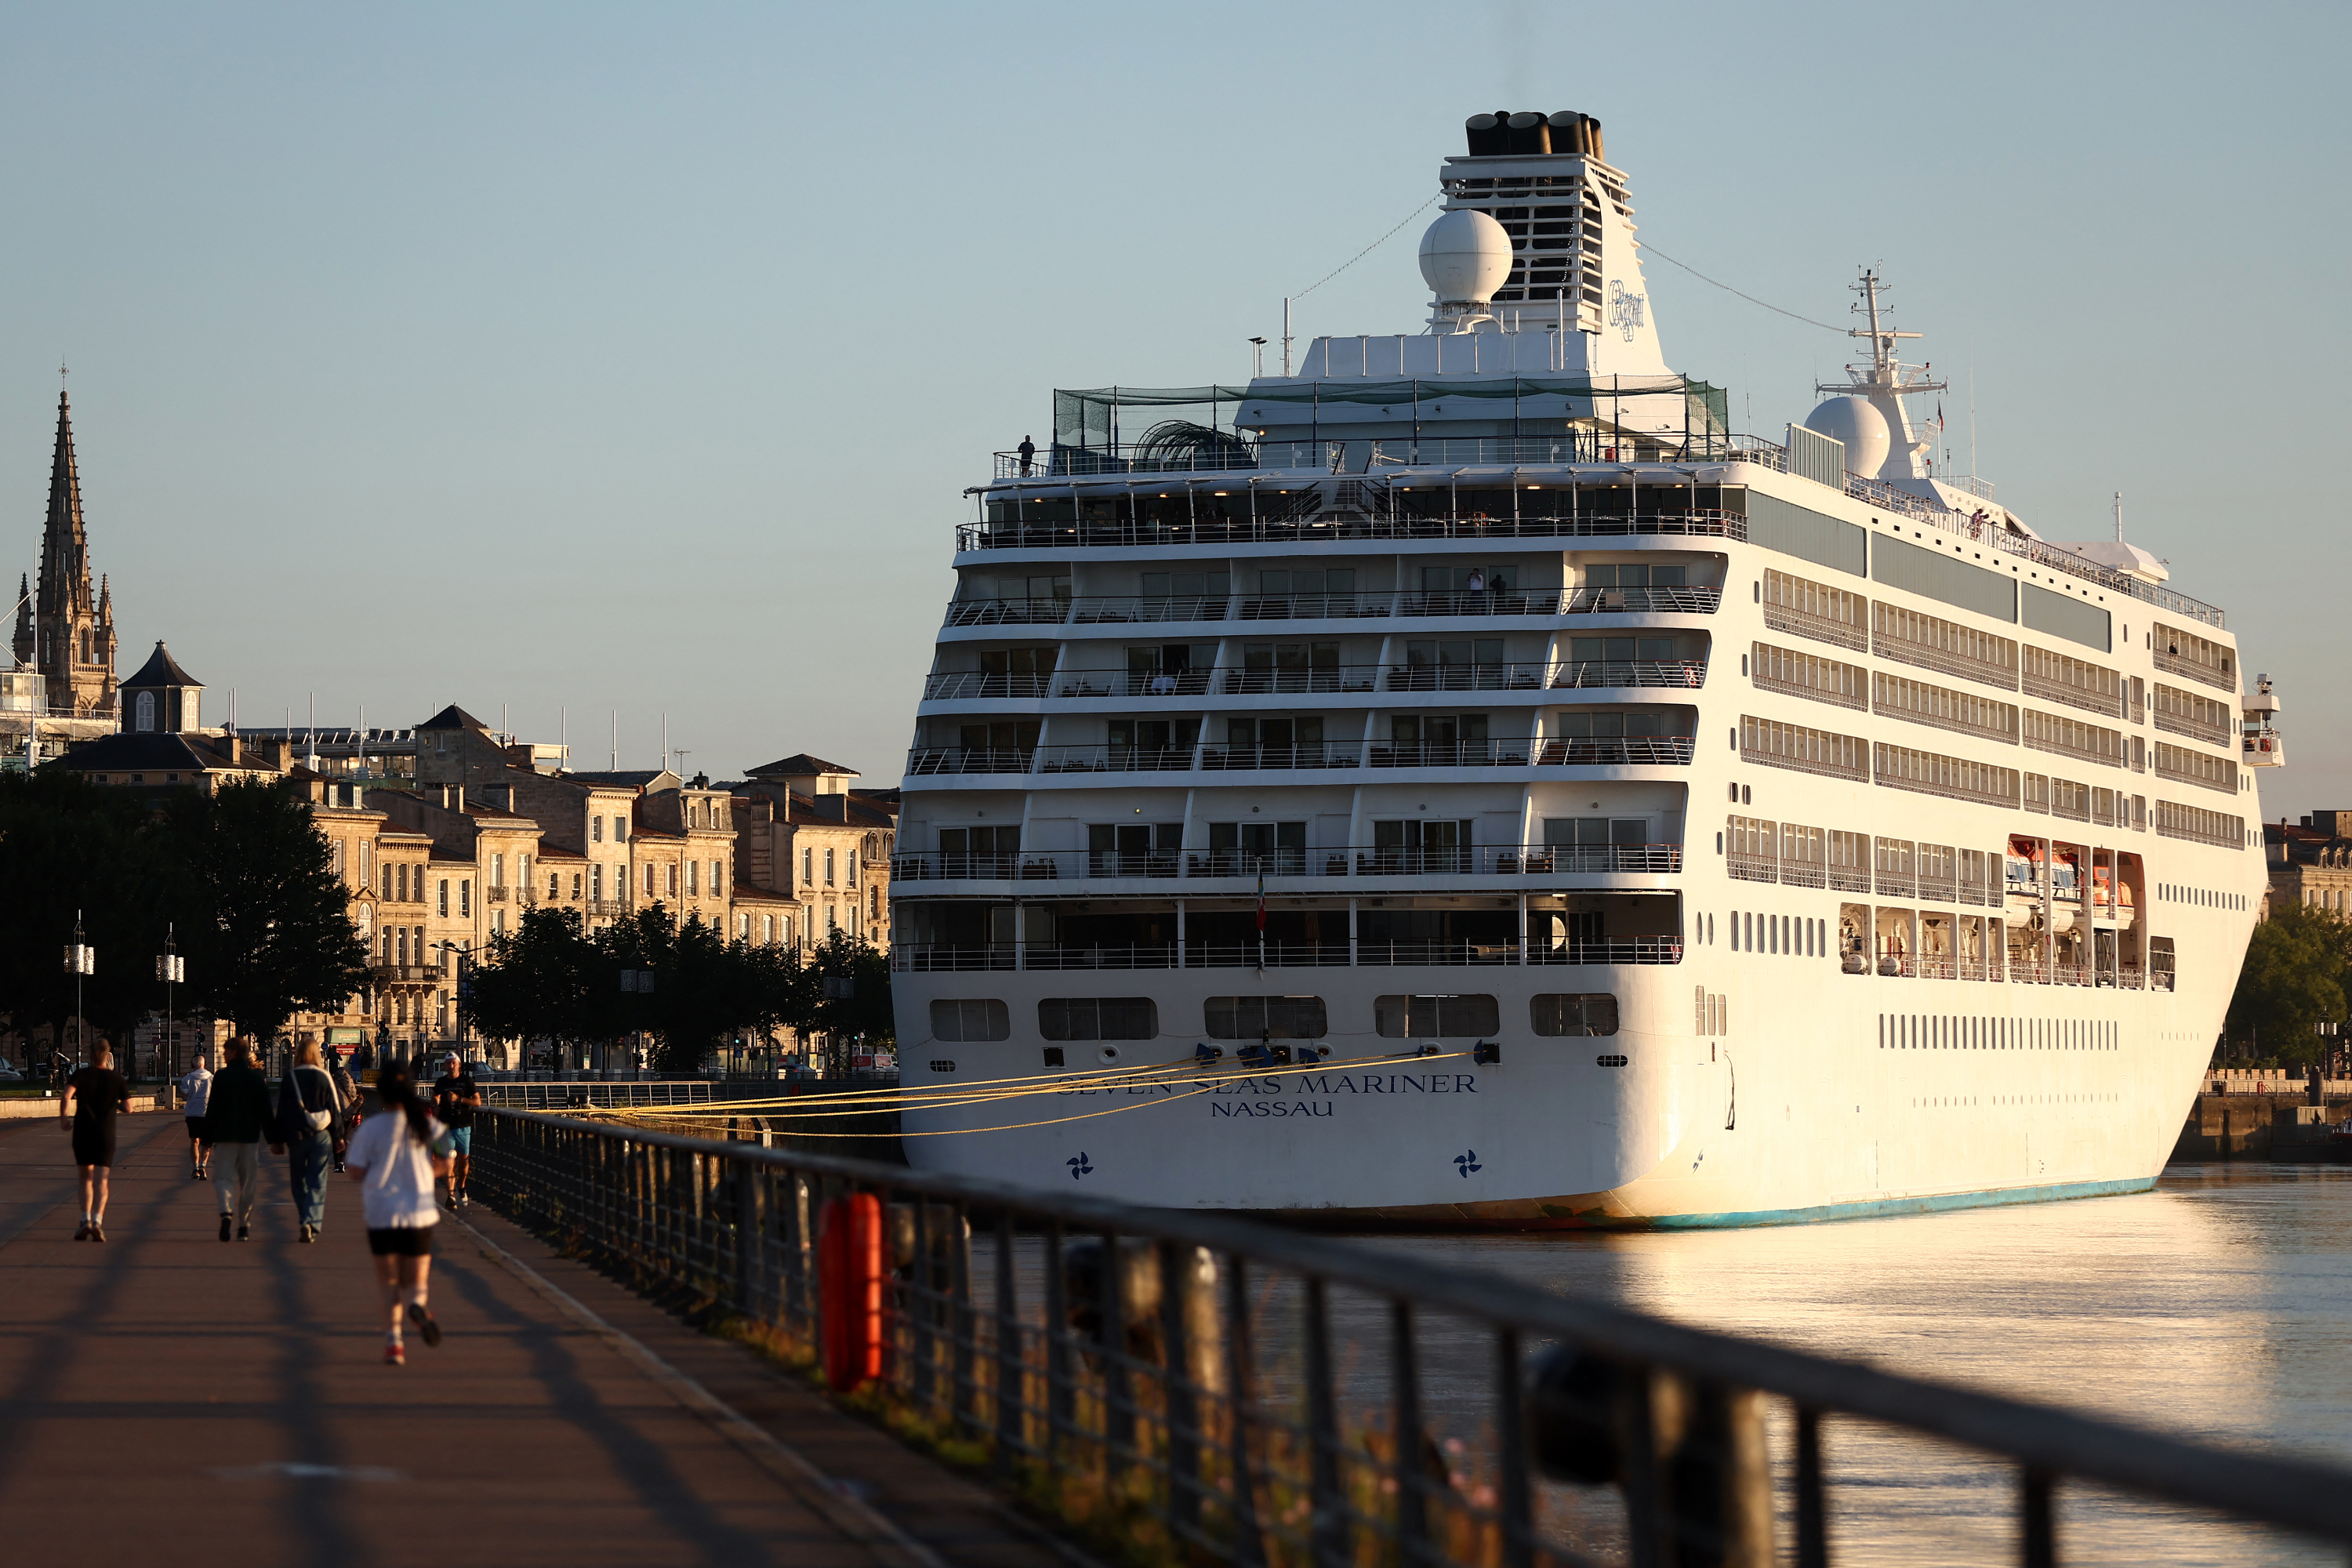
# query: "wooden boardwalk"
[165,1397]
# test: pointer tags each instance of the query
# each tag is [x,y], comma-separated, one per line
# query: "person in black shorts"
[92,1097]
[454,1097]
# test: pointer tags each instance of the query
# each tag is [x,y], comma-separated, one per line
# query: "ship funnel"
[1503,134]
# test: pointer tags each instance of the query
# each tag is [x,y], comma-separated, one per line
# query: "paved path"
[167,1398]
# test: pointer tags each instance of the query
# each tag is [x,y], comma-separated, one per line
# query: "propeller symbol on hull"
[1079,1167]
[1467,1162]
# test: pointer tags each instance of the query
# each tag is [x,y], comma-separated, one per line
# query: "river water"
[2217,1306]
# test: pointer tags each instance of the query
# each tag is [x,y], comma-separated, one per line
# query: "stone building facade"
[2311,863]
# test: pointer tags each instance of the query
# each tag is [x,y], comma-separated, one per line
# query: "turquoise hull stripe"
[1876,1208]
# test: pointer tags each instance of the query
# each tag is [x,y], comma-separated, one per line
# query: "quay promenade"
[167,1397]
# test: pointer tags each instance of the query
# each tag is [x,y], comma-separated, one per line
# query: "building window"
[146,710]
[596,830]
[596,882]
[768,931]
[499,922]
[620,830]
[443,904]
[554,886]
[670,875]
[335,856]
[716,885]
[497,870]
[693,877]
[466,899]
[828,868]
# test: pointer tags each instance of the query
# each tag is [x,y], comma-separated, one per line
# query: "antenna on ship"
[2120,517]
[1257,358]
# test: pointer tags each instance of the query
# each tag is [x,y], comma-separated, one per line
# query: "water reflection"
[2215,1306]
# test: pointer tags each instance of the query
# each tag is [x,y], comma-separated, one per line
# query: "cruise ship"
[1459,781]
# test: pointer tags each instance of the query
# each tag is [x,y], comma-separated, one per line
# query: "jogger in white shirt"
[394,1157]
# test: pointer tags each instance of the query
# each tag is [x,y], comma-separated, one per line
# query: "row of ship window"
[1499,577]
[1089,1018]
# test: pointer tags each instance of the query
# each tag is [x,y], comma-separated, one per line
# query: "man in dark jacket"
[236,1118]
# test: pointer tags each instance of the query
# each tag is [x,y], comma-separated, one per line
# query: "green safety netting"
[1087,416]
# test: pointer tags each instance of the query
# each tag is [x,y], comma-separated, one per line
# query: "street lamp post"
[80,959]
[171,969]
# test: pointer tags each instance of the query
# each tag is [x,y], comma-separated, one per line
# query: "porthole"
[942,1065]
[1107,1054]
[1609,1061]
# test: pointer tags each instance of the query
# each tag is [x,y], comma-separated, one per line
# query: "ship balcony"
[2213,732]
[1146,532]
[1620,750]
[917,958]
[2261,747]
[2220,677]
[1138,609]
[1238,869]
[1338,679]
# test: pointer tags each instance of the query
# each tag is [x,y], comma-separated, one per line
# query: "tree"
[2293,977]
[69,851]
[269,931]
[537,981]
[865,1011]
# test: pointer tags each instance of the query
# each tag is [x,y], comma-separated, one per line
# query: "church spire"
[73,643]
[23,620]
[65,543]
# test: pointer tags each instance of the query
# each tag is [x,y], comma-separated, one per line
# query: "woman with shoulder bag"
[308,1107]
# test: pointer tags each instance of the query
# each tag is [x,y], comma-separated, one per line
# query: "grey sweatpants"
[237,1178]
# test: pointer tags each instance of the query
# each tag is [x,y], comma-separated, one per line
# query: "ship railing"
[1144,609]
[1025,611]
[1365,953]
[1598,750]
[2132,977]
[2110,703]
[1264,1395]
[965,684]
[1936,966]
[2195,729]
[1289,863]
[1696,523]
[2210,675]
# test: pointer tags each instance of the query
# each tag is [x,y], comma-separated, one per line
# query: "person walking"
[92,1096]
[347,1095]
[196,1091]
[236,1116]
[394,1158]
[308,1107]
[456,1097]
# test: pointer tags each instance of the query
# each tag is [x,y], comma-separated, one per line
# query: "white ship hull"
[1894,859]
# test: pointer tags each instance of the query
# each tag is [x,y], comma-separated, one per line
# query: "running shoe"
[427,1325]
[394,1355]
[98,1233]
[244,1233]
[225,1227]
[81,1232]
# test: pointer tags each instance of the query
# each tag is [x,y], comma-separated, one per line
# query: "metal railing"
[2111,703]
[1605,751]
[2195,729]
[1201,1387]
[1136,609]
[1695,522]
[1360,860]
[2220,680]
[1365,953]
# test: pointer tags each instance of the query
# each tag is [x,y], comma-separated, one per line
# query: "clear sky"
[569,359]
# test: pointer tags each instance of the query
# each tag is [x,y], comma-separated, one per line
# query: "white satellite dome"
[1857,421]
[1465,256]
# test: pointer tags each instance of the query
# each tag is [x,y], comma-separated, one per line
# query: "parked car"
[9,1074]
